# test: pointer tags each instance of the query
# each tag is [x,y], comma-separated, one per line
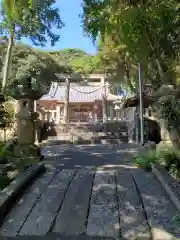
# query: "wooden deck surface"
[123,203]
[95,203]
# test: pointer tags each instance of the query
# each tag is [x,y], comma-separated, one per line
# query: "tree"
[118,62]
[13,12]
[78,60]
[7,114]
[149,30]
[31,62]
[29,20]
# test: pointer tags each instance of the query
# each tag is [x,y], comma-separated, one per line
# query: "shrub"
[172,161]
[170,111]
[144,160]
[6,114]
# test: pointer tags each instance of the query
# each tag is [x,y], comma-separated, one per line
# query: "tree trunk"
[7,60]
[127,76]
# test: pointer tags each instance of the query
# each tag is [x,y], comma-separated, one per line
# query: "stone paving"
[93,191]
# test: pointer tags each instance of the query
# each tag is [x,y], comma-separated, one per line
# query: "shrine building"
[69,101]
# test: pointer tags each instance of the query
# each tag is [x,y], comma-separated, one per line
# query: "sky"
[72,35]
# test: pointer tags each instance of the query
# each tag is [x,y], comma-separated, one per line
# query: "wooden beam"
[104,100]
[66,101]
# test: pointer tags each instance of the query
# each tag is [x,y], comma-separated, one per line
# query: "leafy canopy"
[148,29]
[40,22]
[27,62]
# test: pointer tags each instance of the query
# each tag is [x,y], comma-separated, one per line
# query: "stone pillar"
[104,100]
[45,116]
[48,116]
[58,109]
[117,115]
[164,132]
[112,113]
[69,113]
[37,126]
[42,116]
[35,106]
[66,101]
[52,115]
[93,117]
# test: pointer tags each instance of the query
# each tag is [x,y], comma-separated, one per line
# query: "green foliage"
[169,110]
[6,114]
[13,8]
[145,159]
[171,158]
[116,60]
[149,30]
[177,218]
[79,61]
[37,23]
[42,66]
[30,62]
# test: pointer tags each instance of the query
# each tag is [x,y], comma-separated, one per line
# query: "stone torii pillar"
[66,101]
[104,100]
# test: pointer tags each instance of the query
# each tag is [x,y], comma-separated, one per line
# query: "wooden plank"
[72,217]
[159,209]
[55,236]
[21,210]
[103,217]
[133,223]
[43,214]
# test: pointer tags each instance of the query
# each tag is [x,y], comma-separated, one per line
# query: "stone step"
[111,141]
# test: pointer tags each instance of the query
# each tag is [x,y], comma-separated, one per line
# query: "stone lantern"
[26,120]
[169,135]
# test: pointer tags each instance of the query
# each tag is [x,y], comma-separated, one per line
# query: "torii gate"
[68,78]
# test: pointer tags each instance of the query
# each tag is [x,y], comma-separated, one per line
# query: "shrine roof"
[76,94]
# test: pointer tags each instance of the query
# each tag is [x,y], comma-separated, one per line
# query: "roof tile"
[76,94]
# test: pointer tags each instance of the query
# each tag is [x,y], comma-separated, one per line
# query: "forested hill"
[79,60]
[43,65]
[66,60]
